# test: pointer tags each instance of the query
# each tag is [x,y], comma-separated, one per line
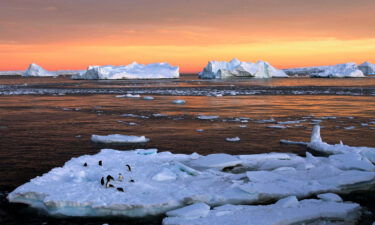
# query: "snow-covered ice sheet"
[118,138]
[236,68]
[131,71]
[285,211]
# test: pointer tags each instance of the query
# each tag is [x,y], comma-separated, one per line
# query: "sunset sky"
[72,34]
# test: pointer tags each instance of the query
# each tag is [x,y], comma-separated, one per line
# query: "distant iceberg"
[367,68]
[236,68]
[35,70]
[131,71]
[336,71]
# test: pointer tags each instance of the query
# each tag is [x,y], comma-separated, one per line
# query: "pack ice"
[338,71]
[131,71]
[236,68]
[147,182]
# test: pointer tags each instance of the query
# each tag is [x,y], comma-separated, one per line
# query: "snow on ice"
[236,68]
[35,70]
[131,71]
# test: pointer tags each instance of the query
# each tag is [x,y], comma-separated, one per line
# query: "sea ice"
[312,211]
[179,101]
[236,68]
[203,117]
[277,126]
[118,138]
[131,71]
[234,139]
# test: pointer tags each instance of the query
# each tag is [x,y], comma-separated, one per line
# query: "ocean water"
[40,132]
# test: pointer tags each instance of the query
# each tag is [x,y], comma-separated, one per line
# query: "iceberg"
[236,68]
[285,211]
[131,71]
[367,68]
[35,70]
[335,71]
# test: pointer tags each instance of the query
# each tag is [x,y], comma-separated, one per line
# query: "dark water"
[40,132]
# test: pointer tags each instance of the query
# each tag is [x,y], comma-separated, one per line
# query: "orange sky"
[73,34]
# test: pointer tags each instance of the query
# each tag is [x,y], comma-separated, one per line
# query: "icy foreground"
[285,211]
[335,71]
[131,71]
[148,186]
[236,68]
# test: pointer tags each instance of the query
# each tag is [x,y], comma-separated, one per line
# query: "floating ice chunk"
[203,117]
[277,126]
[196,210]
[35,70]
[220,160]
[118,138]
[234,139]
[266,121]
[349,128]
[199,130]
[129,95]
[131,71]
[179,101]
[236,68]
[289,122]
[330,197]
[305,211]
[317,144]
[148,98]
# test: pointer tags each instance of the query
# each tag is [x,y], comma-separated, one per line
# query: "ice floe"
[236,68]
[285,211]
[118,138]
[179,101]
[203,117]
[277,126]
[233,139]
[131,71]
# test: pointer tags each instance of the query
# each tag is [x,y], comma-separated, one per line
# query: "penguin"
[131,181]
[129,168]
[109,185]
[120,177]
[120,189]
[109,178]
[102,181]
[100,163]
[85,164]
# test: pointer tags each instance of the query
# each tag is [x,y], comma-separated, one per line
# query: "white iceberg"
[233,139]
[236,68]
[35,70]
[131,71]
[285,211]
[12,73]
[204,117]
[337,71]
[367,68]
[118,139]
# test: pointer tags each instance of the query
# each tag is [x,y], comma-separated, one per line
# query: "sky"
[72,34]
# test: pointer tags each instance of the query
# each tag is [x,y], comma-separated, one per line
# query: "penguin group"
[106,182]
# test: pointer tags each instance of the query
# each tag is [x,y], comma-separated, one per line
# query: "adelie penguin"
[129,168]
[109,185]
[109,178]
[120,189]
[120,177]
[100,163]
[85,164]
[102,181]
